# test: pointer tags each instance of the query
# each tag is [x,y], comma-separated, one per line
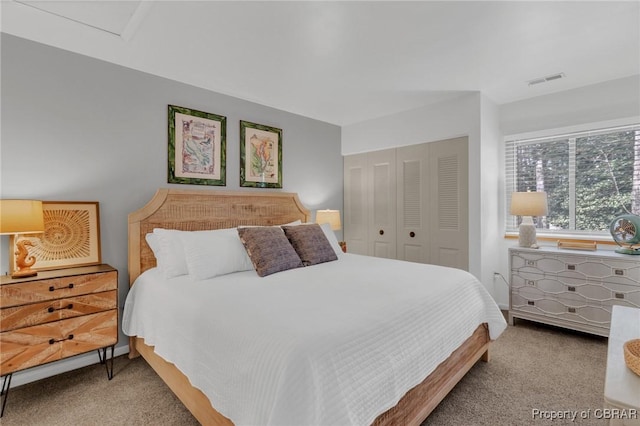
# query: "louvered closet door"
[412,203]
[355,203]
[382,202]
[449,208]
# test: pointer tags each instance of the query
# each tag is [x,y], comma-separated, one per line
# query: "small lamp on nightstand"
[22,217]
[527,205]
[332,217]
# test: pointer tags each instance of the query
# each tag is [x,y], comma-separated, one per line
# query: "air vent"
[546,79]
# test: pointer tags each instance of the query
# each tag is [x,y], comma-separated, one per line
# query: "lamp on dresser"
[18,217]
[332,217]
[527,205]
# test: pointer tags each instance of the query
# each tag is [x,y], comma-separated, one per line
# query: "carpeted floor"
[532,367]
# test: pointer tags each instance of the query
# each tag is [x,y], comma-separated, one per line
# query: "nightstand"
[56,315]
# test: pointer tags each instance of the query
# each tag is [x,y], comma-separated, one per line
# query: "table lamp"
[527,205]
[332,217]
[19,217]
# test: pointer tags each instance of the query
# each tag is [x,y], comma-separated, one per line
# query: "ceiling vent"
[546,79]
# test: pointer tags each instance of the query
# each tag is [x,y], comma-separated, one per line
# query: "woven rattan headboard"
[201,210]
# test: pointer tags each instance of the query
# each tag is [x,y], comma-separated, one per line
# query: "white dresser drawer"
[572,289]
[595,268]
[566,310]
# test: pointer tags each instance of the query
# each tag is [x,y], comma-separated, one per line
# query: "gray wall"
[76,128]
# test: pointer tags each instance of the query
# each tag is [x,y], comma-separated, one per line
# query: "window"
[589,177]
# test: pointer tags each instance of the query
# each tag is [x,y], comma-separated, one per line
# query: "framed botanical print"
[71,236]
[197,147]
[260,155]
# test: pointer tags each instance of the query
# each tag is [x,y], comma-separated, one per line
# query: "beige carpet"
[532,367]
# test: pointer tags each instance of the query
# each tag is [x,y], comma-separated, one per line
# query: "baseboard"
[62,366]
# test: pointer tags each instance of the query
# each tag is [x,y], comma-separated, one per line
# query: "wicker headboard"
[194,210]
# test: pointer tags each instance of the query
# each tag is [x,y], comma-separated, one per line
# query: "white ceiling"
[345,62]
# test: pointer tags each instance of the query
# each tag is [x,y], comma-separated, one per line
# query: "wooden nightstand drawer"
[56,288]
[39,344]
[54,310]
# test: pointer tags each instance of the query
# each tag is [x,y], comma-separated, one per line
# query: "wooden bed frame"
[192,210]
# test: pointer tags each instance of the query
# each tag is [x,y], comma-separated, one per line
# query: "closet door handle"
[381,232]
[412,234]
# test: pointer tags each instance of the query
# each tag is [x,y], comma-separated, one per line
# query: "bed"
[323,382]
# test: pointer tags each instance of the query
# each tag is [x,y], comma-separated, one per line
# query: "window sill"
[600,239]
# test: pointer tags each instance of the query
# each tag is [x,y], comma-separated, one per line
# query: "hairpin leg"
[6,384]
[102,354]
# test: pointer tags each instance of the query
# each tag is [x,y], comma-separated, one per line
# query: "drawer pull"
[571,267]
[572,310]
[381,232]
[530,262]
[531,282]
[531,302]
[412,234]
[52,341]
[52,309]
[571,288]
[52,288]
[619,272]
[619,295]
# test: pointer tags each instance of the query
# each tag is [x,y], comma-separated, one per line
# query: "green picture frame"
[197,147]
[260,156]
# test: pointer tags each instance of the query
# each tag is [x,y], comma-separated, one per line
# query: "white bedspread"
[332,344]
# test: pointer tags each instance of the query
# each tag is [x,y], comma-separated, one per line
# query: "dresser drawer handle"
[52,341]
[52,288]
[571,267]
[531,302]
[571,288]
[52,309]
[619,295]
[572,310]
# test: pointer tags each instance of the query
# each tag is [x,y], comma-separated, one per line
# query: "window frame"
[569,132]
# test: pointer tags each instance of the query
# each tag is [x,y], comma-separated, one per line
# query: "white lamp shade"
[21,217]
[331,217]
[529,203]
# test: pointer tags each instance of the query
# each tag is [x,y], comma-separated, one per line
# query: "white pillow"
[212,253]
[154,244]
[169,252]
[331,236]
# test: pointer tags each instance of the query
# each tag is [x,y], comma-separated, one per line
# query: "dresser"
[56,315]
[570,288]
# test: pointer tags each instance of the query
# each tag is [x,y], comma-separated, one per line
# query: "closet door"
[412,203]
[355,203]
[382,203]
[449,209]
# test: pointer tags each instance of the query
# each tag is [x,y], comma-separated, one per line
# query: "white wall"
[490,195]
[610,103]
[486,124]
[76,128]
[450,119]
